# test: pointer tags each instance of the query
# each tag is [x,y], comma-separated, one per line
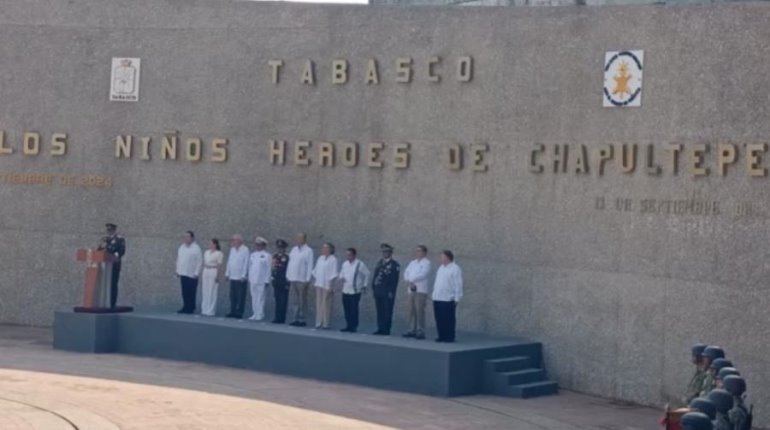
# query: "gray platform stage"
[474,364]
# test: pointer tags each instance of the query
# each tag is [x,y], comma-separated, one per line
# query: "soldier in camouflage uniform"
[696,421]
[696,382]
[710,354]
[115,245]
[725,372]
[704,406]
[739,415]
[723,401]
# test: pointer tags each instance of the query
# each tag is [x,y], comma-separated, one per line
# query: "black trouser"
[384,305]
[237,298]
[114,284]
[189,293]
[281,293]
[350,304]
[445,320]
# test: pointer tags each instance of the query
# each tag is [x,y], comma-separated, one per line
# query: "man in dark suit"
[384,286]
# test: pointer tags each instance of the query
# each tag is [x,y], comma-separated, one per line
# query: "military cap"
[712,352]
[385,247]
[704,406]
[696,421]
[260,240]
[727,371]
[111,226]
[734,385]
[697,350]
[721,399]
[720,363]
[282,244]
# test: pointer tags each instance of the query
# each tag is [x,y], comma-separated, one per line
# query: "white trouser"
[258,301]
[209,289]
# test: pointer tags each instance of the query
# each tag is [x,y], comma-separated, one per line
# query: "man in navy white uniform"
[447,292]
[259,277]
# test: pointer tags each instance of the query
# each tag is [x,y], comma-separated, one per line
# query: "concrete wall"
[617,297]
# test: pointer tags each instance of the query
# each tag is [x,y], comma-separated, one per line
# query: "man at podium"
[115,245]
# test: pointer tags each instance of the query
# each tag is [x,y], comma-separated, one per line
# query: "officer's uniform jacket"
[386,276]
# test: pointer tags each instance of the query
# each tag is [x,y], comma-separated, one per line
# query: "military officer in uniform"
[711,353]
[115,245]
[723,402]
[696,382]
[739,415]
[384,286]
[280,283]
[696,421]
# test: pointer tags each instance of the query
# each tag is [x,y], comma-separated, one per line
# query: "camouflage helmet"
[697,350]
[712,352]
[696,421]
[720,363]
[721,399]
[727,371]
[704,406]
[734,385]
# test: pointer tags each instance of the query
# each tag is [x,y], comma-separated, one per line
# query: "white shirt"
[348,272]
[325,270]
[189,260]
[300,264]
[259,268]
[238,264]
[212,259]
[418,272]
[449,283]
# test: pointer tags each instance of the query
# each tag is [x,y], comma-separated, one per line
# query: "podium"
[98,276]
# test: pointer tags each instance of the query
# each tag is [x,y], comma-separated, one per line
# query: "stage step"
[517,377]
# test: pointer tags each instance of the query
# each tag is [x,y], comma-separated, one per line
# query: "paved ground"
[41,388]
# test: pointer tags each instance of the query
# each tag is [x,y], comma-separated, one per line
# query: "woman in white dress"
[212,262]
[324,274]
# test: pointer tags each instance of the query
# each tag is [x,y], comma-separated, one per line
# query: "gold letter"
[534,166]
[455,157]
[194,149]
[339,71]
[4,150]
[401,157]
[464,69]
[168,147]
[277,152]
[651,168]
[581,162]
[673,149]
[308,74]
[477,157]
[31,143]
[219,150]
[431,76]
[373,154]
[605,155]
[404,70]
[145,148]
[300,153]
[372,75]
[275,65]
[123,146]
[350,154]
[325,154]
[58,144]
[627,159]
[727,155]
[696,159]
[754,153]
[560,158]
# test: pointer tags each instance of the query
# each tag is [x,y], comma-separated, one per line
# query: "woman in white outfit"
[212,262]
[324,273]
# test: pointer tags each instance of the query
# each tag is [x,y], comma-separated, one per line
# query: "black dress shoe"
[345,330]
[276,322]
[229,316]
[302,324]
[409,334]
[438,339]
[378,333]
[294,323]
[181,311]
[419,336]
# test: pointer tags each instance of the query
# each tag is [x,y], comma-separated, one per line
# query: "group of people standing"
[293,273]
[715,398]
